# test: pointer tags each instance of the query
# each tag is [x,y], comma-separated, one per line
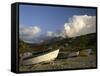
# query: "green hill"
[82,42]
[66,44]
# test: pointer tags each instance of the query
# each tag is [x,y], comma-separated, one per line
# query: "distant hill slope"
[83,42]
[66,44]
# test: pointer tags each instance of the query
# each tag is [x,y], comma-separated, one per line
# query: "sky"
[47,19]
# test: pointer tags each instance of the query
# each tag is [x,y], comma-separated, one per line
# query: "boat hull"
[42,58]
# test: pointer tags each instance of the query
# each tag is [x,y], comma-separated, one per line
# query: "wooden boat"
[73,54]
[41,57]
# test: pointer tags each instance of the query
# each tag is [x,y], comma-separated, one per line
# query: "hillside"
[65,44]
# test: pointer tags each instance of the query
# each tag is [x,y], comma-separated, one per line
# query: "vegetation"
[79,43]
[74,44]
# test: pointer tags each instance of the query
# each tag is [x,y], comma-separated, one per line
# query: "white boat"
[42,57]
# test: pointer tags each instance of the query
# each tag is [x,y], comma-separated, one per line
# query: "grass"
[74,44]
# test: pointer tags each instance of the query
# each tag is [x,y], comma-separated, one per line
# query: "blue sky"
[37,21]
[50,18]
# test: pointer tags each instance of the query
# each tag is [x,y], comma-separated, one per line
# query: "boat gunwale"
[42,53]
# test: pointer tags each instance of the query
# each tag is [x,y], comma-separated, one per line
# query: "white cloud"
[54,34]
[29,32]
[49,33]
[76,26]
[80,25]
